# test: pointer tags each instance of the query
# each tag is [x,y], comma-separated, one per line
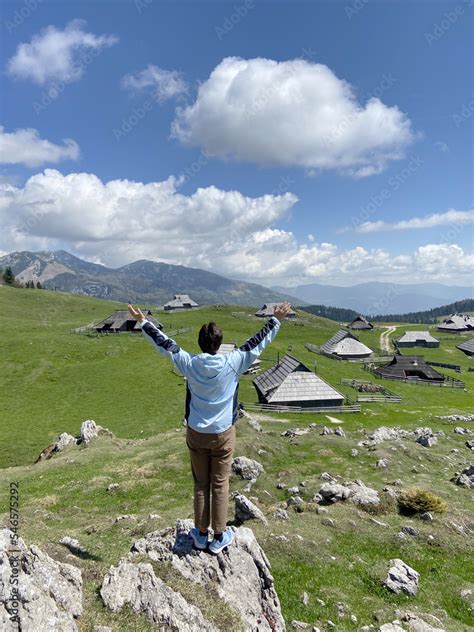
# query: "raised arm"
[163,344]
[243,357]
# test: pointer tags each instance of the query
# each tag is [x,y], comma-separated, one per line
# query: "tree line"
[429,316]
[8,278]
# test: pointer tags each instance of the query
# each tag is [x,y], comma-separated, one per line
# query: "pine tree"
[38,285]
[8,276]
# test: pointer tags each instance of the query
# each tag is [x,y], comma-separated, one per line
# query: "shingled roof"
[457,322]
[360,323]
[290,381]
[467,347]
[409,366]
[346,345]
[417,336]
[180,301]
[121,320]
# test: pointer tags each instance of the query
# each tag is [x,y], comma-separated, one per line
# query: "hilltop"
[53,380]
[141,281]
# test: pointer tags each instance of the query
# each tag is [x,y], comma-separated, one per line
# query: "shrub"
[415,501]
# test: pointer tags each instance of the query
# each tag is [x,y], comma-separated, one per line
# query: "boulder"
[466,477]
[333,492]
[246,468]
[61,442]
[246,510]
[401,578]
[90,430]
[361,494]
[240,576]
[49,593]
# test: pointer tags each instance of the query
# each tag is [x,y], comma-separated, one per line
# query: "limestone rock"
[466,477]
[401,578]
[361,494]
[241,574]
[90,430]
[246,468]
[332,492]
[137,585]
[245,509]
[49,593]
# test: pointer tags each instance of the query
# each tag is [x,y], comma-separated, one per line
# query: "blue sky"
[382,191]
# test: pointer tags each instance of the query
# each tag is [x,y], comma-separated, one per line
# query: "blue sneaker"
[200,541]
[216,546]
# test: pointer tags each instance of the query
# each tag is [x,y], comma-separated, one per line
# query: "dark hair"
[210,338]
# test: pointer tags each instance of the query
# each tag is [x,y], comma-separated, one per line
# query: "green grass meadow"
[53,379]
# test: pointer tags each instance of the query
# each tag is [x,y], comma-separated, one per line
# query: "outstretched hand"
[136,313]
[282,310]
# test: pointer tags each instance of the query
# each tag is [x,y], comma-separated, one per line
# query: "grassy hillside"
[53,379]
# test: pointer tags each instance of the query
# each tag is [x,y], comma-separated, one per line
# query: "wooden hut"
[268,309]
[457,323]
[346,346]
[409,367]
[360,323]
[180,301]
[467,347]
[291,383]
[417,339]
[121,320]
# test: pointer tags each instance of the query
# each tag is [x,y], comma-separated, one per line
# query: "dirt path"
[385,344]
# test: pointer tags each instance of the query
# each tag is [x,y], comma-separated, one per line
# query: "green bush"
[415,501]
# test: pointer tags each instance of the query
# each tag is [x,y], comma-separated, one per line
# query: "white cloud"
[57,55]
[448,218]
[291,113]
[165,84]
[24,146]
[226,232]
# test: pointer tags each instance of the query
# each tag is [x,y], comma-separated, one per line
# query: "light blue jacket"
[212,381]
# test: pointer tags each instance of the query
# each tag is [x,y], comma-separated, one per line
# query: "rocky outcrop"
[401,578]
[137,585]
[466,477]
[355,491]
[48,595]
[89,430]
[246,468]
[240,576]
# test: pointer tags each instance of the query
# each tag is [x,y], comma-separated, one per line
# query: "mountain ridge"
[140,281]
[380,298]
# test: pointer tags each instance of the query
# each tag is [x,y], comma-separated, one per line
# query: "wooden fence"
[455,367]
[378,397]
[349,408]
[449,381]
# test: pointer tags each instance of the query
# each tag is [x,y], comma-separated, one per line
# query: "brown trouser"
[211,460]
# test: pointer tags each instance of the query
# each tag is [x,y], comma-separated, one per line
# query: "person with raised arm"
[211,410]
